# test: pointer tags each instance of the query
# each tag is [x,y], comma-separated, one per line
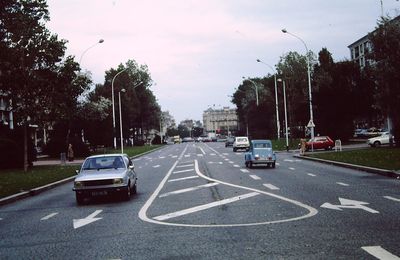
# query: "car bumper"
[262,161]
[100,190]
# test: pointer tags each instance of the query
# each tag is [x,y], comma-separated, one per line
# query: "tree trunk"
[25,147]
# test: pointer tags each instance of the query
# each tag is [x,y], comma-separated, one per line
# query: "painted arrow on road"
[89,219]
[349,204]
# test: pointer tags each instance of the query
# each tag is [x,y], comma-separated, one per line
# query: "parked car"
[320,142]
[380,140]
[229,141]
[260,152]
[105,175]
[241,142]
[187,140]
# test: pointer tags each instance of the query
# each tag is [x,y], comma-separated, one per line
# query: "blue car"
[260,153]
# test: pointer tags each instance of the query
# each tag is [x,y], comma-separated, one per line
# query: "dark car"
[229,141]
[320,142]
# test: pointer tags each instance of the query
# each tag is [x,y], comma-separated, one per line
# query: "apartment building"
[223,121]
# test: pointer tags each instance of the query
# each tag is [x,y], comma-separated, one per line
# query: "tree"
[386,56]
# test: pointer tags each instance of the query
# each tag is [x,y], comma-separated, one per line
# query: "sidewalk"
[56,162]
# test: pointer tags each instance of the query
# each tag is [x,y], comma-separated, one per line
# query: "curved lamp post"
[100,41]
[255,87]
[278,127]
[311,123]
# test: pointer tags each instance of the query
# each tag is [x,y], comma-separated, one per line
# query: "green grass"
[16,180]
[383,158]
[280,144]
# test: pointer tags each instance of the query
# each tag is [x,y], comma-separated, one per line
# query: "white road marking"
[156,166]
[380,253]
[291,168]
[244,170]
[220,162]
[184,178]
[202,150]
[161,157]
[277,163]
[175,156]
[187,155]
[212,153]
[270,186]
[231,162]
[288,160]
[342,184]
[189,170]
[237,166]
[226,159]
[225,153]
[89,219]
[49,216]
[312,175]
[255,177]
[392,198]
[185,165]
[1,219]
[188,189]
[200,155]
[205,206]
[349,204]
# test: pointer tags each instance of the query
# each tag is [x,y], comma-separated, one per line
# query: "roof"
[106,155]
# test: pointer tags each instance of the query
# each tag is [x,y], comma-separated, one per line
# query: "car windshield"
[242,140]
[262,145]
[109,162]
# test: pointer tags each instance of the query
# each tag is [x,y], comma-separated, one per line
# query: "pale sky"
[198,51]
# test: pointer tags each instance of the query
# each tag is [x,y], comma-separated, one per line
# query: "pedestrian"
[302,146]
[70,153]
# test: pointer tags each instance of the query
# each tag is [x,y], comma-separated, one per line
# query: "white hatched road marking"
[156,166]
[392,198]
[188,189]
[255,177]
[200,155]
[312,175]
[186,165]
[237,166]
[270,186]
[187,155]
[342,184]
[49,216]
[244,170]
[161,157]
[291,168]
[277,163]
[380,253]
[205,206]
[202,150]
[231,162]
[189,170]
[184,178]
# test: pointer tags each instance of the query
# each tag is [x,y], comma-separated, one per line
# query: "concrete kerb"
[382,172]
[38,190]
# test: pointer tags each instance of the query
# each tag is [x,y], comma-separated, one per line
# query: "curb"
[387,173]
[38,190]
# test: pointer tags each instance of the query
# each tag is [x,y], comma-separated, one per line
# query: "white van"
[241,142]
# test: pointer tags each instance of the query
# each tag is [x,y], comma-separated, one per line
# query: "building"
[360,48]
[220,121]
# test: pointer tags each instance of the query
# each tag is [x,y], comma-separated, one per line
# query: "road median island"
[15,184]
[383,161]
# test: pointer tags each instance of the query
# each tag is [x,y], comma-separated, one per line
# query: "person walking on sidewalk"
[70,153]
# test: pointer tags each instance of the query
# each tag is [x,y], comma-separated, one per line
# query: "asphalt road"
[198,201]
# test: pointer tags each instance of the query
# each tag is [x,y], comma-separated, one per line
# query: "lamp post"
[278,127]
[113,106]
[284,102]
[310,124]
[83,53]
[120,119]
[255,88]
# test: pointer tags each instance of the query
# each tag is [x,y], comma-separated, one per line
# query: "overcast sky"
[198,51]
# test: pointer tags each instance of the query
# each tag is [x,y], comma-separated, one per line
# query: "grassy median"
[383,158]
[14,181]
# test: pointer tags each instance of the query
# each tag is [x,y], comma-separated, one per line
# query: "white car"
[241,142]
[379,140]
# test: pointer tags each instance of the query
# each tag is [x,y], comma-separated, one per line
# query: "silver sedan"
[105,175]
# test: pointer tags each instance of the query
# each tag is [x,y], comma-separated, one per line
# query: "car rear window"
[262,145]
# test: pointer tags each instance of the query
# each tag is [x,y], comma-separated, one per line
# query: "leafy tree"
[386,56]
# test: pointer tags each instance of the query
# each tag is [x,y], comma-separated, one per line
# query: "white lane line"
[200,155]
[187,155]
[270,186]
[255,177]
[184,178]
[237,166]
[156,166]
[379,252]
[277,163]
[288,160]
[189,170]
[342,184]
[49,216]
[220,162]
[188,189]
[291,168]
[202,150]
[244,170]
[231,162]
[226,159]
[212,153]
[225,153]
[392,198]
[186,165]
[161,157]
[175,156]
[205,206]
[312,175]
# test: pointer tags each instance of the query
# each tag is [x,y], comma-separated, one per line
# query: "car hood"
[262,151]
[104,174]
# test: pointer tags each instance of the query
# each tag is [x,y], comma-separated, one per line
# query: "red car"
[320,142]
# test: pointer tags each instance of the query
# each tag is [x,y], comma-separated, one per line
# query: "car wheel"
[126,194]
[80,199]
[134,189]
[377,144]
[234,150]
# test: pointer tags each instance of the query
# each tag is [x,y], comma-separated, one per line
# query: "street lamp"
[100,41]
[284,102]
[278,127]
[255,87]
[310,124]
[120,119]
